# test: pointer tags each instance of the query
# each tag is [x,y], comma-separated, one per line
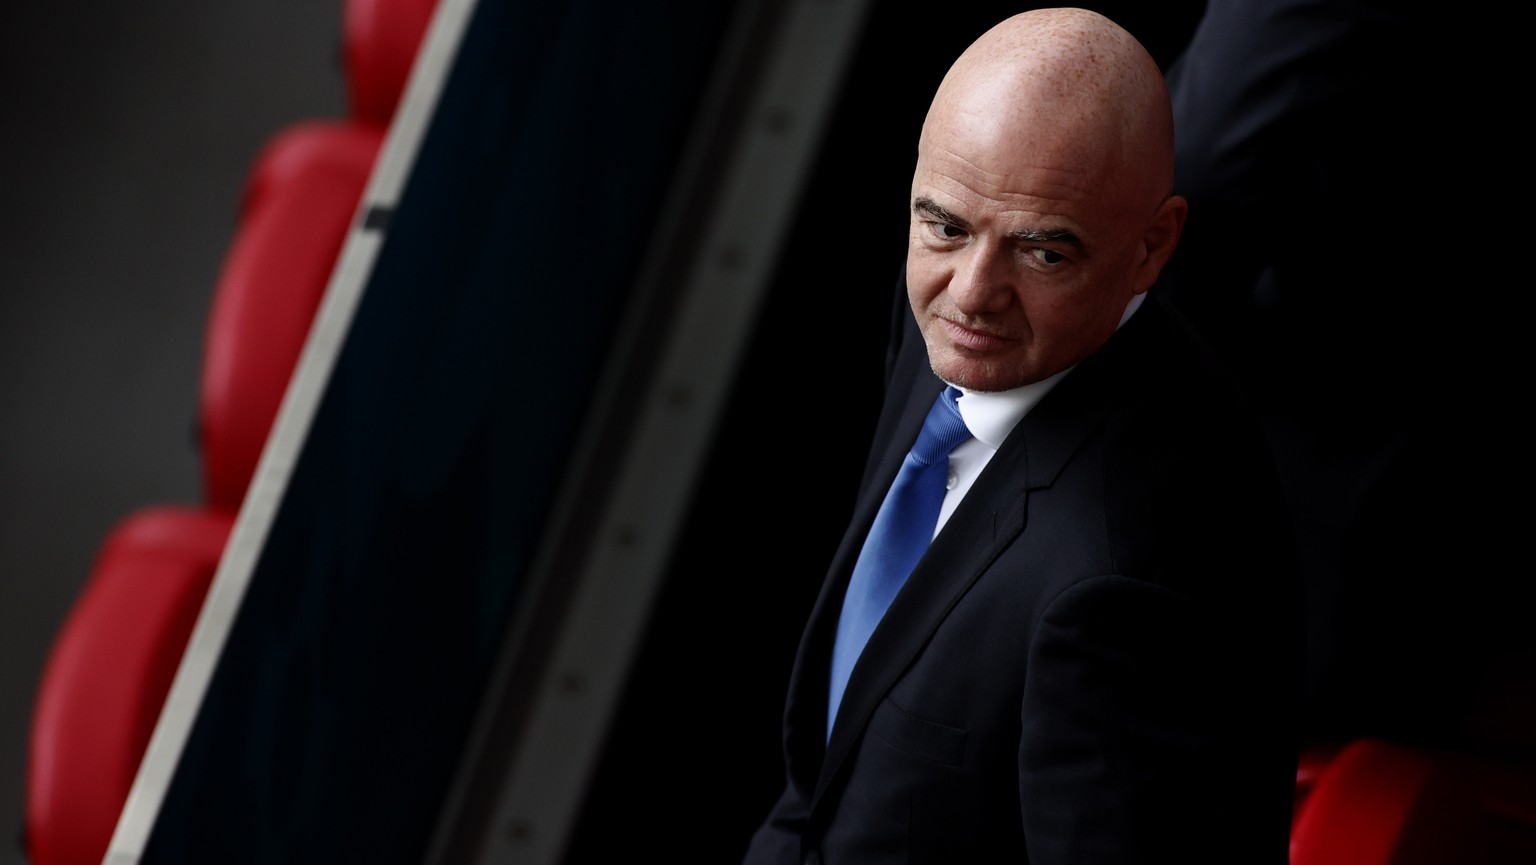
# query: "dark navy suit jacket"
[1097,661]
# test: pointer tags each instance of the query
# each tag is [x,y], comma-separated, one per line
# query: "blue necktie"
[900,535]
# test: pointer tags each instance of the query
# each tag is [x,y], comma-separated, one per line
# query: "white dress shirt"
[991,417]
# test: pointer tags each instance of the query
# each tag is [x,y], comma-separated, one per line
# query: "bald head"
[1068,85]
[1042,198]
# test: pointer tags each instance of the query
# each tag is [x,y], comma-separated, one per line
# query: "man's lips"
[972,339]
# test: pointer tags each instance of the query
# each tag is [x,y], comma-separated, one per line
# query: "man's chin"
[972,375]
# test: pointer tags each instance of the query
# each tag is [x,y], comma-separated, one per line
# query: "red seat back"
[107,674]
[1380,803]
[380,40]
[299,204]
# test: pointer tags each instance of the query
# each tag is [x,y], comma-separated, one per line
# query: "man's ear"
[1158,241]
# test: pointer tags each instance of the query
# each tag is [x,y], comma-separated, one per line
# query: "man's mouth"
[972,339]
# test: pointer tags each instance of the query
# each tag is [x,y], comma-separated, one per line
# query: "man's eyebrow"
[928,207]
[1047,235]
[925,205]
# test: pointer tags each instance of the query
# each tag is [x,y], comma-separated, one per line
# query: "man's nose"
[983,281]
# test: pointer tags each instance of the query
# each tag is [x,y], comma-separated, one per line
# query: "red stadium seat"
[108,673]
[1310,767]
[380,39]
[1386,804]
[298,207]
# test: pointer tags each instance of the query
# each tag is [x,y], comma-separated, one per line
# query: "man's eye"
[947,231]
[1047,256]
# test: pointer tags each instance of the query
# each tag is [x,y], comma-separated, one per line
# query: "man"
[1097,658]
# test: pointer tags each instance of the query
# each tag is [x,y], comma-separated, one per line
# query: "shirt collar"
[992,416]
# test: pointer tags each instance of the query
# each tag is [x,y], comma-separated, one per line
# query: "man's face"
[1020,261]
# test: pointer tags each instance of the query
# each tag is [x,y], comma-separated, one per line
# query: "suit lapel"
[987,521]
[900,420]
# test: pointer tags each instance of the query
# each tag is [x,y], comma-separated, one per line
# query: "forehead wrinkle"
[1049,187]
